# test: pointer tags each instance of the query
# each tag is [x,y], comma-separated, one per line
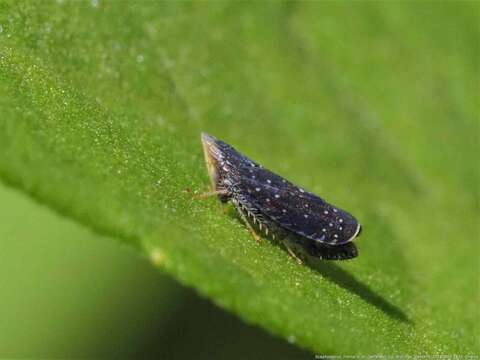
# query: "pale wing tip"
[349,240]
[357,232]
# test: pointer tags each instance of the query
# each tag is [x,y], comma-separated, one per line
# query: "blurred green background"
[66,292]
[373,105]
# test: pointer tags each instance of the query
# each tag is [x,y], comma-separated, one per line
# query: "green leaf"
[57,277]
[370,105]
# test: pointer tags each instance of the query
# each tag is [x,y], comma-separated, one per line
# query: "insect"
[274,205]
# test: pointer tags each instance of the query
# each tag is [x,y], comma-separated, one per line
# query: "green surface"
[67,292]
[372,105]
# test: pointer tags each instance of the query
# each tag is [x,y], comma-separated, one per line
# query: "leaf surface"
[371,106]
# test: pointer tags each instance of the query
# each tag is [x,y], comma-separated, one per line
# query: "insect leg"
[210,193]
[292,253]
[245,220]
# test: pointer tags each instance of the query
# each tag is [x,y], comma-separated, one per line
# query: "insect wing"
[284,203]
[296,209]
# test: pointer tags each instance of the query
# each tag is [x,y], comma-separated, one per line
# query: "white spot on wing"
[277,196]
[325,212]
[257,189]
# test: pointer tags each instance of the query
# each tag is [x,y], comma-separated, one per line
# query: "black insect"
[277,206]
